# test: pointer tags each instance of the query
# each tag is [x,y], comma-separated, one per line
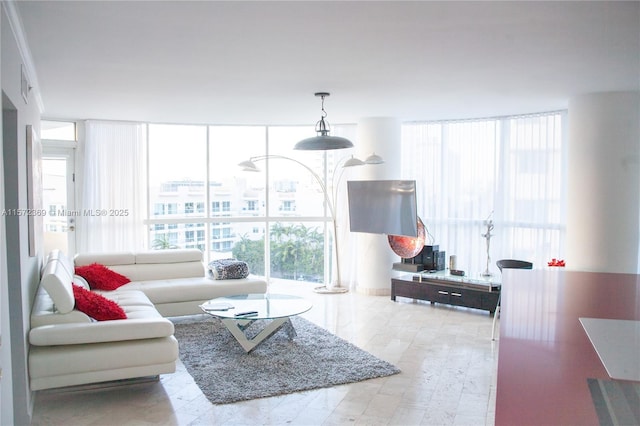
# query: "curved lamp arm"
[250,166]
[348,161]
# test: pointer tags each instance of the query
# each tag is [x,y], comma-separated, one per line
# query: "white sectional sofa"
[70,348]
[174,280]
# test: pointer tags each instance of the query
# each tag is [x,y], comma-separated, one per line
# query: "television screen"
[383,207]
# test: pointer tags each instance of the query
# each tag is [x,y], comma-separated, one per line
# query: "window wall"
[509,171]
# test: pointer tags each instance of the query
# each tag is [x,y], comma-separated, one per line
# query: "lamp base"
[330,290]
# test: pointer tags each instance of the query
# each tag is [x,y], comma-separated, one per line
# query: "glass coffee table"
[238,312]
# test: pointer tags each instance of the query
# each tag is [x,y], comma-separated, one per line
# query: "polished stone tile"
[446,355]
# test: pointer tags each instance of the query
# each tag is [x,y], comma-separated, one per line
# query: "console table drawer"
[447,294]
[438,294]
[407,289]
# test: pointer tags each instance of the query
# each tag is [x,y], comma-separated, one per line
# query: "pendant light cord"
[324,113]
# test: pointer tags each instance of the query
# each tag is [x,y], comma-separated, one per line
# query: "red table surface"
[545,357]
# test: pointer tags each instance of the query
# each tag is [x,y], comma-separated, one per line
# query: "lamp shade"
[248,166]
[374,159]
[323,143]
[353,162]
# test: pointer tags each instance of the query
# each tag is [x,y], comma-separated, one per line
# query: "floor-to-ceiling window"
[274,218]
[177,158]
[509,171]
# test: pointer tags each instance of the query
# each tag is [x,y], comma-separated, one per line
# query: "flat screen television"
[383,207]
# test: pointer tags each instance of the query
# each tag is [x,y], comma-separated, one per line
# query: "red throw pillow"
[96,305]
[100,277]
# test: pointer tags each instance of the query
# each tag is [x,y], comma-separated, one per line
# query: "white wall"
[604,182]
[22,271]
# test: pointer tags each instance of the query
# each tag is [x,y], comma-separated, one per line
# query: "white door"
[58,186]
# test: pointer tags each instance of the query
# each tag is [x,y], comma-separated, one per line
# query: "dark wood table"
[545,356]
[441,287]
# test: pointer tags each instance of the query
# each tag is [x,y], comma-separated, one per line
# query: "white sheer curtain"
[510,170]
[113,187]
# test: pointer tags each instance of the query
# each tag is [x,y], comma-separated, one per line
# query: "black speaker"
[428,256]
[440,260]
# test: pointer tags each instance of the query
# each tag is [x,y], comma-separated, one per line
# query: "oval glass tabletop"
[256,306]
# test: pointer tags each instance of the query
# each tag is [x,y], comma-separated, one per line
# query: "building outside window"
[288,206]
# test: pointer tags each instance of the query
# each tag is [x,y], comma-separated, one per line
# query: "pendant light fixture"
[323,141]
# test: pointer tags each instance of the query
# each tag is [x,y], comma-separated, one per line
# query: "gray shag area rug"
[314,359]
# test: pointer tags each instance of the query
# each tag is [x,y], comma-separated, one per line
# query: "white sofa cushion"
[149,265]
[56,280]
[194,289]
[64,260]
[73,360]
[107,259]
[169,256]
[99,332]
[44,312]
[159,271]
[135,303]
[143,322]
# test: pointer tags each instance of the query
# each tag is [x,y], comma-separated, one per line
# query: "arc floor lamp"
[330,195]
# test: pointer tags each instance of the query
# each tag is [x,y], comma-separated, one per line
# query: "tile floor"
[446,355]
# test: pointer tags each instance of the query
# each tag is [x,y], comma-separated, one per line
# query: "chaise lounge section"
[69,347]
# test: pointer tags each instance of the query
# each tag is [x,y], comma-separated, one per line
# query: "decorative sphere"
[408,247]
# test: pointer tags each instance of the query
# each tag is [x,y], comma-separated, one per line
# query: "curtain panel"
[112,196]
[508,171]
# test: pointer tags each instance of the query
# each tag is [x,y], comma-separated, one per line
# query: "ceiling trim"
[15,23]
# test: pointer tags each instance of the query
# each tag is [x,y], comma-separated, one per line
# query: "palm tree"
[252,252]
[163,243]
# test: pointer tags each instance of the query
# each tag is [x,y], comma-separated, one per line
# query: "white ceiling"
[260,62]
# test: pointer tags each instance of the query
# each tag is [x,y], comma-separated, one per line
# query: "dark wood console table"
[441,287]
